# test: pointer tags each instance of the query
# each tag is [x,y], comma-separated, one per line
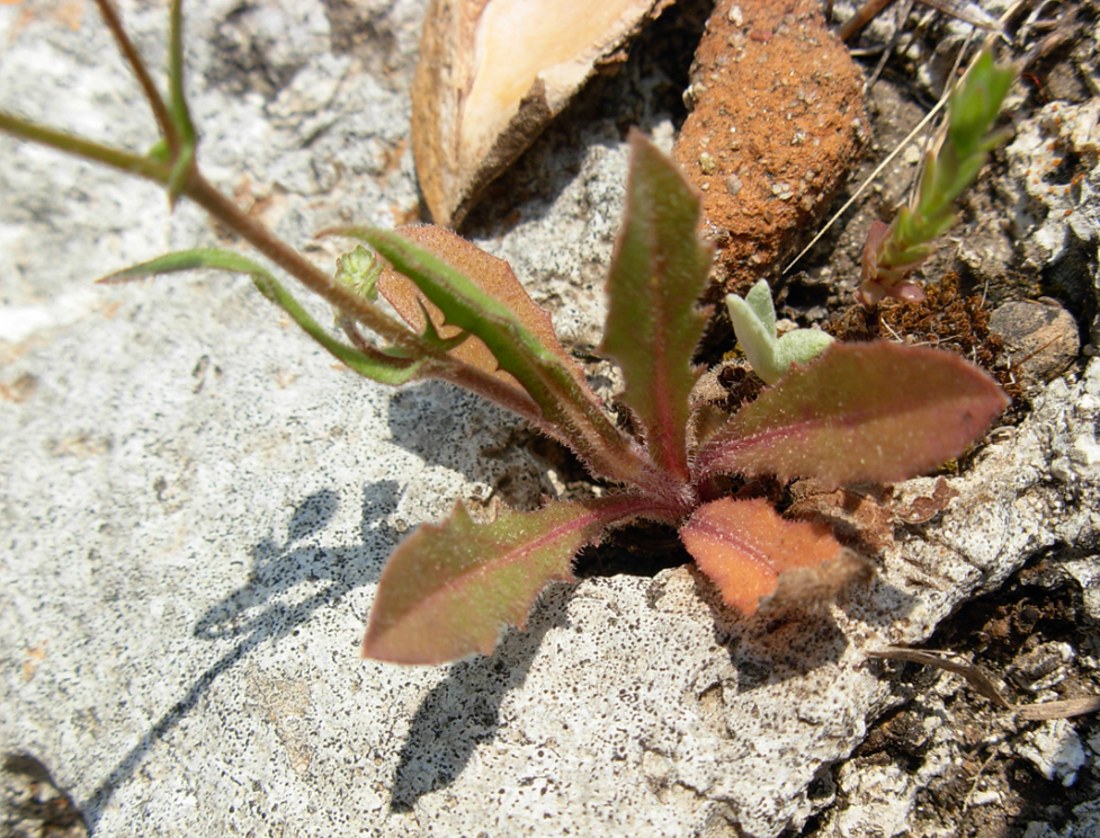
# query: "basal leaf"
[866,412]
[565,400]
[653,324]
[492,275]
[744,547]
[369,362]
[449,589]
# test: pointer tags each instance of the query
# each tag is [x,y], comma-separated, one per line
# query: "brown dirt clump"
[946,318]
[777,122]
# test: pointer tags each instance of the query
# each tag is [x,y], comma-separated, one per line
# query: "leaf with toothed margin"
[653,324]
[861,412]
[375,364]
[745,547]
[449,589]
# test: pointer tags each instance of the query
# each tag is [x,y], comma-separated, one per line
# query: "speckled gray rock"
[197,504]
[1054,183]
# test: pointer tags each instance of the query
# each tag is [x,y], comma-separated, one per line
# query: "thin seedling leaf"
[745,547]
[188,260]
[449,589]
[375,364]
[653,324]
[869,412]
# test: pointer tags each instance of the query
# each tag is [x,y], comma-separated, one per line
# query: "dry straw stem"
[983,684]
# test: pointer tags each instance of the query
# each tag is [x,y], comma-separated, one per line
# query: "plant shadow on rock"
[277,569]
[771,647]
[252,617]
[785,641]
[426,420]
[464,710]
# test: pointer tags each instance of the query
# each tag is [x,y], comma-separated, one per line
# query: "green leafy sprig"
[770,354]
[894,251]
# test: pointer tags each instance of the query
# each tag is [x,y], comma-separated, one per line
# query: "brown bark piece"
[493,73]
[777,123]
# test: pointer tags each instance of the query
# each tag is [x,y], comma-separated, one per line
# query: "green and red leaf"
[492,275]
[566,402]
[747,549]
[449,589]
[653,324]
[867,412]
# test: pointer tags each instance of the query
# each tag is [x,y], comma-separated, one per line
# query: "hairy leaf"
[744,547]
[449,589]
[877,412]
[653,325]
[370,362]
[492,275]
[566,402]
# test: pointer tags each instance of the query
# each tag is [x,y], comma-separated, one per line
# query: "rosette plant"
[877,412]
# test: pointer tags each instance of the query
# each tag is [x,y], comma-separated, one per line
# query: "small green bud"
[359,270]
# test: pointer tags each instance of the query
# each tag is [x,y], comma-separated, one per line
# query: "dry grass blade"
[1065,709]
[920,126]
[983,684]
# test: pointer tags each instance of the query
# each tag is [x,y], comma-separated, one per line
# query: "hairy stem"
[134,164]
[199,190]
[160,111]
[177,102]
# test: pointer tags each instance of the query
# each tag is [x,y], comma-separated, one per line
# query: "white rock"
[1051,210]
[1055,750]
[197,505]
